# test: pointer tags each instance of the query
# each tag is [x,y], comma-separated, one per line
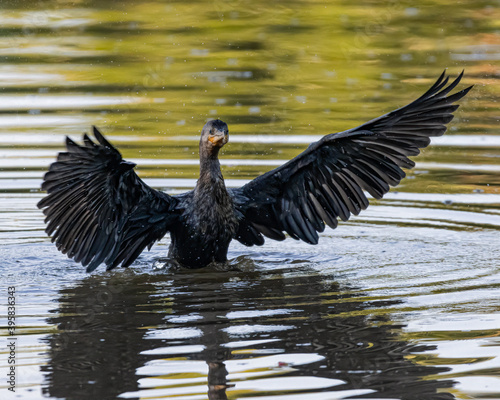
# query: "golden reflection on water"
[160,70]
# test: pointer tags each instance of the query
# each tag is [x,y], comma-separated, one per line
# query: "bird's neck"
[211,183]
[212,206]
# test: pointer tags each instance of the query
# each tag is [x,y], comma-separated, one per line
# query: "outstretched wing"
[327,180]
[98,210]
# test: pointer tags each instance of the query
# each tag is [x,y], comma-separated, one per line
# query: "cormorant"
[99,211]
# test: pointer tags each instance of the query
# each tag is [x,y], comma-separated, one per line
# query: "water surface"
[401,302]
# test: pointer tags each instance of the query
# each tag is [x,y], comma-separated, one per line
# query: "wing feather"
[98,210]
[327,181]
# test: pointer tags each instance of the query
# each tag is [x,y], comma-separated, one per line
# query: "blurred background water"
[401,302]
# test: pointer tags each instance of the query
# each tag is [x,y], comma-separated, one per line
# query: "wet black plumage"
[99,211]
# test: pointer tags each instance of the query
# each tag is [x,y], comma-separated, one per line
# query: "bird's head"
[214,135]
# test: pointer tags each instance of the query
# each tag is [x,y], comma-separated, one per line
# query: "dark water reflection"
[138,335]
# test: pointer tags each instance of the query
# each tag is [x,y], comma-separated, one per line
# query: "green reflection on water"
[305,67]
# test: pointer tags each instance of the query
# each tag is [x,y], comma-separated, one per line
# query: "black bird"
[99,211]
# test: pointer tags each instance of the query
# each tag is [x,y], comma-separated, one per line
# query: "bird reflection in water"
[217,381]
[113,327]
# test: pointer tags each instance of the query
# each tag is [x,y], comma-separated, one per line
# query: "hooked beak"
[220,139]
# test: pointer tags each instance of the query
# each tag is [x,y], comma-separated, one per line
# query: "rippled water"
[401,302]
